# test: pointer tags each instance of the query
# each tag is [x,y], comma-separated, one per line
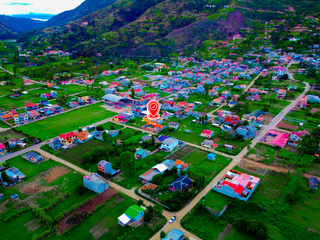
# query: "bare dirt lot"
[88,207]
[37,185]
[285,125]
[314,110]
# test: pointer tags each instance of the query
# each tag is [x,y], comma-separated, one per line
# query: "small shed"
[211,156]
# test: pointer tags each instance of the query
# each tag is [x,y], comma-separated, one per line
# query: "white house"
[169,144]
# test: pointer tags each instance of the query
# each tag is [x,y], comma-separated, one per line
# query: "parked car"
[172,219]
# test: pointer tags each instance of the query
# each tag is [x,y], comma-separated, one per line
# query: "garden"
[67,122]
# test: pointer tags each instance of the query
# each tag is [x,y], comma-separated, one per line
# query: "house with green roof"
[141,153]
[133,214]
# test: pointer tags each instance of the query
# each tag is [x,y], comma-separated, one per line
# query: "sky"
[10,7]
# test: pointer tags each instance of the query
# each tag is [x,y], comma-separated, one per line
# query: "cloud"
[20,4]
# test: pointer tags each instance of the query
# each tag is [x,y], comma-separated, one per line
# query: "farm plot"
[181,153]
[272,185]
[10,134]
[103,224]
[88,207]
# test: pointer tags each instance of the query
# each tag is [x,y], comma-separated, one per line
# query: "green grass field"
[67,122]
[216,201]
[16,229]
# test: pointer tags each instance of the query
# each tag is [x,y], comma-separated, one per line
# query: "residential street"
[180,214]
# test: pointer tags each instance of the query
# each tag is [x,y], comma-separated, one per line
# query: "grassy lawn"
[216,201]
[265,151]
[209,168]
[70,89]
[23,233]
[201,223]
[277,180]
[6,102]
[74,155]
[155,90]
[67,122]
[3,125]
[195,157]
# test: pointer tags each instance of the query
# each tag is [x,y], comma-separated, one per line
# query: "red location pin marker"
[153,107]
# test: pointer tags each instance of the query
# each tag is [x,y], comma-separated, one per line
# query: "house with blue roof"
[200,89]
[33,157]
[247,132]
[180,183]
[106,168]
[44,102]
[211,156]
[174,234]
[95,183]
[313,99]
[161,138]
[55,144]
[141,153]
[169,144]
[15,175]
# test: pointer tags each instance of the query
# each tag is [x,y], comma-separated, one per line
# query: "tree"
[157,179]
[245,123]
[133,94]
[162,234]
[206,118]
[285,77]
[87,157]
[111,127]
[4,176]
[140,202]
[246,106]
[105,136]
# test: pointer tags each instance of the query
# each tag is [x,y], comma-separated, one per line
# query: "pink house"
[276,138]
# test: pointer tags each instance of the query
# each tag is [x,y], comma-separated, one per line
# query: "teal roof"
[134,211]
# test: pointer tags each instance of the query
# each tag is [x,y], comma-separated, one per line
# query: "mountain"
[35,16]
[160,27]
[10,27]
[83,9]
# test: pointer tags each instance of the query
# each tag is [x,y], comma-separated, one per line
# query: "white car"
[172,219]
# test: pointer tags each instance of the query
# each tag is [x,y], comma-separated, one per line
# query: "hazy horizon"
[37,7]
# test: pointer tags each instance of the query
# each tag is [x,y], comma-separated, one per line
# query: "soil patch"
[38,185]
[31,201]
[216,139]
[98,230]
[314,110]
[32,225]
[226,231]
[285,125]
[88,207]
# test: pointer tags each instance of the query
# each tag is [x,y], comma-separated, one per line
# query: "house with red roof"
[31,106]
[236,184]
[232,119]
[2,148]
[281,94]
[67,138]
[207,133]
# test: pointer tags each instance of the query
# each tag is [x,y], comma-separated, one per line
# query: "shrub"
[100,128]
[162,234]
[80,190]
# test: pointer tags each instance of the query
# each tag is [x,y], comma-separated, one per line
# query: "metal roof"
[112,98]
